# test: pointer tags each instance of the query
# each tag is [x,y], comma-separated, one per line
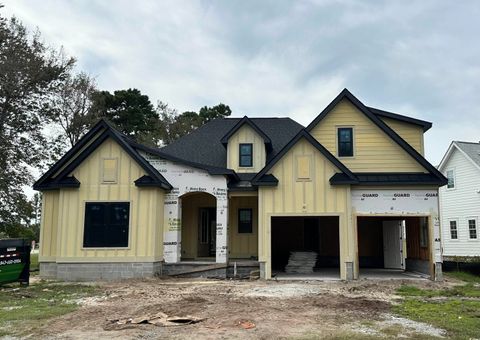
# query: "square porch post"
[172,237]
[221,254]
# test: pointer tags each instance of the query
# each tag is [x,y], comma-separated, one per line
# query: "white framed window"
[472,228]
[453,230]
[451,179]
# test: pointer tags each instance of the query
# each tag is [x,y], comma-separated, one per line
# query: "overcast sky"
[280,58]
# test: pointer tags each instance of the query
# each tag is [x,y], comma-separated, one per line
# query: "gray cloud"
[287,58]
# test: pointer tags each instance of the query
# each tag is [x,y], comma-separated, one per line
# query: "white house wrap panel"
[398,203]
[185,179]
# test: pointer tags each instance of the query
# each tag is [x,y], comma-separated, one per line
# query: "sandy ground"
[274,310]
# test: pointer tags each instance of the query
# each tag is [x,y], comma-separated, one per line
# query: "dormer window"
[345,142]
[246,155]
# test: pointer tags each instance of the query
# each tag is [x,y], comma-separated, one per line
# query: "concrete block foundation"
[98,271]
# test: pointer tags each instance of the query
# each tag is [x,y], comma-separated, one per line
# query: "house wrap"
[353,187]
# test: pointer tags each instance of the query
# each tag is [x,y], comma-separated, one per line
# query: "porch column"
[172,236]
[222,229]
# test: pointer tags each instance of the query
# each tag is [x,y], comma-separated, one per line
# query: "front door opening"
[393,245]
[304,238]
[207,234]
[198,227]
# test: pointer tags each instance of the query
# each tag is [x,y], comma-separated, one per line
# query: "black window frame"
[453,229]
[472,231]
[245,227]
[340,149]
[250,155]
[111,229]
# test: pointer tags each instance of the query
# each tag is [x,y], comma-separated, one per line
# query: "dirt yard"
[241,309]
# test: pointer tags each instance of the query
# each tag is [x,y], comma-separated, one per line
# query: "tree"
[131,112]
[218,111]
[180,125]
[30,74]
[73,107]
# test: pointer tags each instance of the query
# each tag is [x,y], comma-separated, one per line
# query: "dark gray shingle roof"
[471,149]
[204,144]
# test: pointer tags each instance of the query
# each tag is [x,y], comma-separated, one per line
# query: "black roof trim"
[62,161]
[109,131]
[303,134]
[212,170]
[147,181]
[246,120]
[66,182]
[389,178]
[382,125]
[268,180]
[386,114]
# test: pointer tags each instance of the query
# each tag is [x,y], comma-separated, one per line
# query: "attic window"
[246,155]
[345,142]
[109,170]
[451,179]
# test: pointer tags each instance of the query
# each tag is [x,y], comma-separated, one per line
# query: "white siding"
[460,204]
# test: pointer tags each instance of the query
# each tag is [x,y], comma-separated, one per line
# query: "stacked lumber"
[301,262]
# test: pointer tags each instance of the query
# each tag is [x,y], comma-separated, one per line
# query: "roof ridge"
[459,141]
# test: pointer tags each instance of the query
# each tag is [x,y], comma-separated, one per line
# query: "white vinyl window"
[453,230]
[451,179]
[472,228]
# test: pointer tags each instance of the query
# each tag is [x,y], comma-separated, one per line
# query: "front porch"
[215,234]
[199,268]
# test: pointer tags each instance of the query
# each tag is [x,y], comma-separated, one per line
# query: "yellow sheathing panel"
[242,245]
[299,198]
[246,135]
[412,133]
[49,225]
[374,150]
[146,211]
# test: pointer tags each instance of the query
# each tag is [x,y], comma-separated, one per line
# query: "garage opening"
[309,245]
[393,246]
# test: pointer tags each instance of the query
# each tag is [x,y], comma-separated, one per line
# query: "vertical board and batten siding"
[246,135]
[459,204]
[67,207]
[374,150]
[315,197]
[411,133]
[242,245]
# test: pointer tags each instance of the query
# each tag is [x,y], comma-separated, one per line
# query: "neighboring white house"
[460,202]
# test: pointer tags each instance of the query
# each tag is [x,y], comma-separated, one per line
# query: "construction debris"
[301,262]
[245,324]
[159,319]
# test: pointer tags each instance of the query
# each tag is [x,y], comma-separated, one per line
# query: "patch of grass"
[464,276]
[461,319]
[26,308]
[468,290]
[34,262]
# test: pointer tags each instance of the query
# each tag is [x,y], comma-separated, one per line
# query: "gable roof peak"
[240,123]
[382,126]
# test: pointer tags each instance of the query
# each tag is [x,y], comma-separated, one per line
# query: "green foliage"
[468,290]
[464,276]
[455,309]
[460,318]
[72,107]
[30,74]
[177,126]
[23,310]
[131,112]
